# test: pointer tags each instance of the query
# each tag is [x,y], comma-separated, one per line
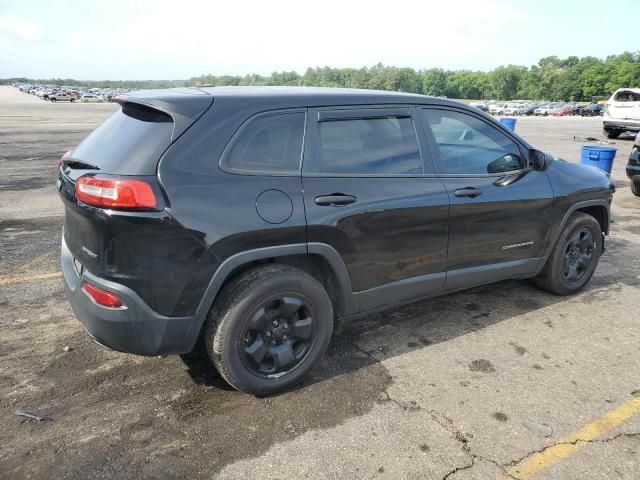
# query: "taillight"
[115,193]
[63,158]
[102,297]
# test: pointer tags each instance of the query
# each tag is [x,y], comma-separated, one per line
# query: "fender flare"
[576,206]
[349,300]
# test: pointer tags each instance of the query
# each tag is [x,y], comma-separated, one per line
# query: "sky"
[159,39]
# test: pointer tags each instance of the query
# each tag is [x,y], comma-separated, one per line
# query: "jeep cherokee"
[258,217]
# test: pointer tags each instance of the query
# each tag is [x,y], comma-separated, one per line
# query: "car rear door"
[370,193]
[500,215]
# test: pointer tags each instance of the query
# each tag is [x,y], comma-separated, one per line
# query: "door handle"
[467,192]
[335,200]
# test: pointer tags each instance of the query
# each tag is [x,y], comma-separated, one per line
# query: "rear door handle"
[467,192]
[335,199]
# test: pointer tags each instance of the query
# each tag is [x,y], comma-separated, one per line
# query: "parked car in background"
[497,108]
[91,98]
[591,110]
[480,106]
[622,112]
[556,108]
[542,110]
[562,111]
[61,97]
[515,109]
[156,256]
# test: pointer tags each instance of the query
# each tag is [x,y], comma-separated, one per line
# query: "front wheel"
[268,328]
[574,258]
[53,100]
[610,133]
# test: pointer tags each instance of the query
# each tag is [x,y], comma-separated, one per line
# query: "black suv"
[633,167]
[258,217]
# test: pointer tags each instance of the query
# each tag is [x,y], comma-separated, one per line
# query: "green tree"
[434,82]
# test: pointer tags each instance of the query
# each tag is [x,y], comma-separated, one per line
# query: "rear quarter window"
[270,144]
[130,142]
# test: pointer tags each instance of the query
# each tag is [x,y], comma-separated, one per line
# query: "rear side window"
[270,143]
[130,142]
[386,146]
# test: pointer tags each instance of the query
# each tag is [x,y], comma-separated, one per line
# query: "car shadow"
[374,338]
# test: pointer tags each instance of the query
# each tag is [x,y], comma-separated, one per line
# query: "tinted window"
[467,145]
[368,146]
[270,143]
[130,142]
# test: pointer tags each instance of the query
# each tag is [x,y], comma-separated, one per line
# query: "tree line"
[553,78]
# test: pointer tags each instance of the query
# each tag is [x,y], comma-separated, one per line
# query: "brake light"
[63,158]
[102,297]
[115,193]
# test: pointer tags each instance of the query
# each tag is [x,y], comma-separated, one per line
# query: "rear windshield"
[626,96]
[130,142]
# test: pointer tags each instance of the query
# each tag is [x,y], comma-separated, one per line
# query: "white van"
[622,112]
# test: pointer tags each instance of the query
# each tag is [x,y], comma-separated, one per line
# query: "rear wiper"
[79,164]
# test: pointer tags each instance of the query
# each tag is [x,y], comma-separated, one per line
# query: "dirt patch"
[118,415]
[520,350]
[33,183]
[482,365]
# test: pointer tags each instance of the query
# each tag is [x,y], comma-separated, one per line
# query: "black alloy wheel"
[278,336]
[578,256]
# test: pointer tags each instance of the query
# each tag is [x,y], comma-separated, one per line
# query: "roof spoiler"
[184,105]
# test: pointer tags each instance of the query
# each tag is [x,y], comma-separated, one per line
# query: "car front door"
[370,194]
[500,215]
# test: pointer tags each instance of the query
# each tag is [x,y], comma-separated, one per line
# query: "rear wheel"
[612,133]
[53,100]
[268,328]
[574,258]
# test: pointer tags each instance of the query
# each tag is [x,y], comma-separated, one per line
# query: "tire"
[612,133]
[72,100]
[635,185]
[556,276]
[268,328]
[53,100]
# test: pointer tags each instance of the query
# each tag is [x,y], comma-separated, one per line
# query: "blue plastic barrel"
[597,156]
[509,123]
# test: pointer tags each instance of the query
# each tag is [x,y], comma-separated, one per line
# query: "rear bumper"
[133,329]
[621,124]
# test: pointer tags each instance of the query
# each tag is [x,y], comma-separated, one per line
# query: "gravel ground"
[467,386]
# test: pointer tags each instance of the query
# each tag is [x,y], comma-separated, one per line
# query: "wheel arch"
[317,259]
[597,208]
[600,213]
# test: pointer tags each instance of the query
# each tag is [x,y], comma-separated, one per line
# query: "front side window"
[464,144]
[268,144]
[382,146]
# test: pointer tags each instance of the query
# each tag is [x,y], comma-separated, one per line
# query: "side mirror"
[537,159]
[506,163]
